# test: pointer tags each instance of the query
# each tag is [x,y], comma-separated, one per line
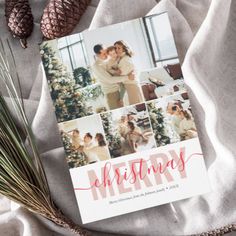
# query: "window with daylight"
[161,40]
[72,51]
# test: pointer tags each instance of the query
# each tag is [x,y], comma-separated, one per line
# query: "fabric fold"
[204,33]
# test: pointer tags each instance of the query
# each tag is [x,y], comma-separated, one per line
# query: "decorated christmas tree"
[112,136]
[163,132]
[73,157]
[69,104]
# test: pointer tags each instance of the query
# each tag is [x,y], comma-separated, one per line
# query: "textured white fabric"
[205,33]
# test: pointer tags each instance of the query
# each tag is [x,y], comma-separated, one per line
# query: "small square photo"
[128,130]
[171,120]
[84,141]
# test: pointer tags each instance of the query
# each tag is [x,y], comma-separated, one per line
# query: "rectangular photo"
[66,75]
[84,141]
[171,119]
[161,82]
[128,130]
[116,55]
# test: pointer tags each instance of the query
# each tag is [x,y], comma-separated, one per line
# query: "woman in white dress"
[187,127]
[100,150]
[91,156]
[76,140]
[113,69]
[135,137]
[122,127]
[126,66]
[175,115]
[133,118]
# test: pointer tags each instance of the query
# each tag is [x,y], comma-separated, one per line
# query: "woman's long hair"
[100,139]
[186,114]
[125,47]
[131,125]
[179,104]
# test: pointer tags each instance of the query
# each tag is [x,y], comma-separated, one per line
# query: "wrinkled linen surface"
[205,34]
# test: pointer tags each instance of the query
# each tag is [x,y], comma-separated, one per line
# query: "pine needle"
[22,177]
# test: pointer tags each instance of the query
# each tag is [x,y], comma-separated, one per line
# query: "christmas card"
[125,117]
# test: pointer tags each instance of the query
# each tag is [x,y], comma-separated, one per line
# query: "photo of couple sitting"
[115,71]
[94,149]
[129,130]
[182,120]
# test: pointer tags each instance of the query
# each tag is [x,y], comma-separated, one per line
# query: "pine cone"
[19,19]
[61,16]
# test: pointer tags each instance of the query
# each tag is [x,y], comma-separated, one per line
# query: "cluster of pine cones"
[59,18]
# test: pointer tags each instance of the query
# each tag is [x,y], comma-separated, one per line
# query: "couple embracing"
[114,70]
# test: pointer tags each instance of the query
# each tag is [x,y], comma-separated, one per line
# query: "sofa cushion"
[148,91]
[174,71]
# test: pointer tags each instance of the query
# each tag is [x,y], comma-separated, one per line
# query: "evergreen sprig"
[22,176]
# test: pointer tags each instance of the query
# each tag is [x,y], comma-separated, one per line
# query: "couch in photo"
[161,82]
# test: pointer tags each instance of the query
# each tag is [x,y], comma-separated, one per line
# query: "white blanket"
[205,34]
